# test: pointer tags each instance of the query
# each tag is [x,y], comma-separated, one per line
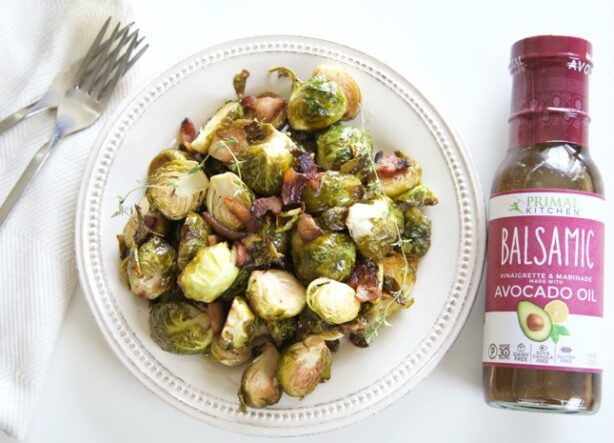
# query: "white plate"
[363,381]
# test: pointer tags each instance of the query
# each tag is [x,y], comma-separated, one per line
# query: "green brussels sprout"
[333,301]
[180,327]
[259,384]
[419,195]
[142,222]
[151,268]
[238,287]
[375,226]
[275,294]
[417,233]
[304,365]
[334,189]
[230,357]
[230,111]
[400,276]
[262,250]
[402,180]
[239,327]
[227,185]
[333,219]
[163,157]
[264,162]
[176,188]
[340,144]
[310,323]
[314,104]
[194,234]
[365,328]
[210,273]
[331,255]
[348,85]
[282,331]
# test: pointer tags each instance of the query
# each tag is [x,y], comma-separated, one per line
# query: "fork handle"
[27,175]
[17,116]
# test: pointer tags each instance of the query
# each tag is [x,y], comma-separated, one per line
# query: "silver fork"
[92,85]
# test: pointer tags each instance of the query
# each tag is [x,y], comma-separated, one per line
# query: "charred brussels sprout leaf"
[223,186]
[309,323]
[331,255]
[417,233]
[333,301]
[259,384]
[282,332]
[238,287]
[400,276]
[151,268]
[222,117]
[194,233]
[340,144]
[333,219]
[240,325]
[304,365]
[334,189]
[275,294]
[262,250]
[419,195]
[367,325]
[180,327]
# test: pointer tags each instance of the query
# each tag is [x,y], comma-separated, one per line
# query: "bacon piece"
[364,280]
[217,316]
[212,240]
[265,204]
[388,166]
[307,165]
[187,133]
[238,209]
[292,187]
[307,228]
[242,254]
[266,109]
[222,230]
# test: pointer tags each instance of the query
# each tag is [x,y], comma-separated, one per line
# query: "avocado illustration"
[534,321]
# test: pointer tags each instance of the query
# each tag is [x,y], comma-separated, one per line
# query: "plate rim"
[303,43]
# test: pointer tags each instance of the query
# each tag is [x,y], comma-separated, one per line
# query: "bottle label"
[544,288]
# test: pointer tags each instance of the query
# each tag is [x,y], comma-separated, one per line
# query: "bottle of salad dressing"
[543,333]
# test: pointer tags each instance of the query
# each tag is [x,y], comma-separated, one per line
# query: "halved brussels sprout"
[227,185]
[230,111]
[151,268]
[240,325]
[163,157]
[209,274]
[419,195]
[304,365]
[142,222]
[194,234]
[282,331]
[417,233]
[176,188]
[331,255]
[334,189]
[231,139]
[375,226]
[180,327]
[408,174]
[400,276]
[333,301]
[333,219]
[340,144]
[230,357]
[266,159]
[259,384]
[275,294]
[350,88]
[310,323]
[367,325]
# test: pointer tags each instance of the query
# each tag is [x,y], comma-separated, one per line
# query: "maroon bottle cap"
[550,90]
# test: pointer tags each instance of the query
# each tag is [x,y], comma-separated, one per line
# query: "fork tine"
[107,89]
[91,52]
[138,55]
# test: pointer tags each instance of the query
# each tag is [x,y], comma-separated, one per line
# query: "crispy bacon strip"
[266,109]
[187,132]
[390,165]
[265,204]
[307,228]
[217,316]
[222,230]
[243,213]
[364,280]
[292,187]
[242,254]
[307,165]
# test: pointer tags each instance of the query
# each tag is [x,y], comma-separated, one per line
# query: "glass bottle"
[543,330]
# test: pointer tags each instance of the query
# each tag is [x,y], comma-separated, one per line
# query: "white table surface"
[457,53]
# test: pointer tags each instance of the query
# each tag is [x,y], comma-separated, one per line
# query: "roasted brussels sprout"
[142,222]
[304,365]
[331,255]
[333,301]
[231,110]
[240,325]
[176,188]
[366,327]
[350,88]
[275,294]
[334,189]
[209,274]
[419,195]
[230,357]
[375,226]
[397,173]
[165,156]
[314,104]
[310,323]
[417,233]
[238,287]
[151,268]
[400,276]
[340,144]
[194,234]
[333,219]
[180,327]
[262,250]
[282,331]
[259,384]
[264,162]
[227,185]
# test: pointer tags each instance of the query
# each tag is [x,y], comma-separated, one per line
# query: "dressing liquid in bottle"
[543,330]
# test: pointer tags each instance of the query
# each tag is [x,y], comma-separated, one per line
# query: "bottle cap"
[550,90]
